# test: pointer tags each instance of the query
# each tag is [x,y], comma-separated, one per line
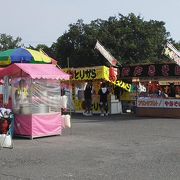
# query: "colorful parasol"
[23,55]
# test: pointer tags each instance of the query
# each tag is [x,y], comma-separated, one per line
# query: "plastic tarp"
[35,71]
[36,96]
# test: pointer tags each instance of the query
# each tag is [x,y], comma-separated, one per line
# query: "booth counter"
[36,98]
[157,89]
[97,75]
[114,105]
[38,125]
[158,107]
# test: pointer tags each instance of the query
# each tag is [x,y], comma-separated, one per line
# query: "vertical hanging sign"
[106,54]
[171,52]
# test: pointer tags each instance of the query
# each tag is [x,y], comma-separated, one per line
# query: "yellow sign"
[95,73]
[89,73]
[123,85]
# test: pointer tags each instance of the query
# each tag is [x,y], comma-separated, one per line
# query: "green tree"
[78,45]
[130,39]
[8,42]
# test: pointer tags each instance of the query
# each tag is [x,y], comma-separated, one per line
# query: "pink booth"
[35,96]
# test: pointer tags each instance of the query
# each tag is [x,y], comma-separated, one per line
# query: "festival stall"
[157,89]
[35,98]
[97,75]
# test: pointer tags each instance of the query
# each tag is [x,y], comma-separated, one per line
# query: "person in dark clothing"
[103,93]
[88,99]
[172,90]
[117,92]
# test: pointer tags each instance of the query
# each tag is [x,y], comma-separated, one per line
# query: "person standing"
[103,93]
[88,99]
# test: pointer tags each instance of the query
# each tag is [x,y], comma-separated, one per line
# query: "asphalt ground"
[117,147]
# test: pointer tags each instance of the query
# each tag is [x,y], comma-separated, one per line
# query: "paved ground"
[99,148]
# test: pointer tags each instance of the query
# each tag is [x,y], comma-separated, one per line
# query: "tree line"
[130,39]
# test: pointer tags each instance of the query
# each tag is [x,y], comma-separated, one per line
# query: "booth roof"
[35,71]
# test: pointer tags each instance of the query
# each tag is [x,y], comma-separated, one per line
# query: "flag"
[106,54]
[171,52]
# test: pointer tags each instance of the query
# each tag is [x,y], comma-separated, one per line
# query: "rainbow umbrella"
[23,55]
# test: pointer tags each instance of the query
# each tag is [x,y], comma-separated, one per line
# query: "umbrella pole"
[21,69]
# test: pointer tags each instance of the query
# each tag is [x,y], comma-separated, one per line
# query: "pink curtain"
[38,125]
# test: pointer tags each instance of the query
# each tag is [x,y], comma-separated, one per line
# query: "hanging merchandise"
[113,73]
[141,88]
[6,90]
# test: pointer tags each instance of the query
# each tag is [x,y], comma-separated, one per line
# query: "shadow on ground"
[78,117]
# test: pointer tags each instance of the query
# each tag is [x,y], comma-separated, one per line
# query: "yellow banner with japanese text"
[95,73]
[88,73]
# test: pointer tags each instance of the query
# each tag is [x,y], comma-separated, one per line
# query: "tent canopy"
[35,71]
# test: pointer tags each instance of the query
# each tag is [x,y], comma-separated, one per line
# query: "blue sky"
[43,21]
